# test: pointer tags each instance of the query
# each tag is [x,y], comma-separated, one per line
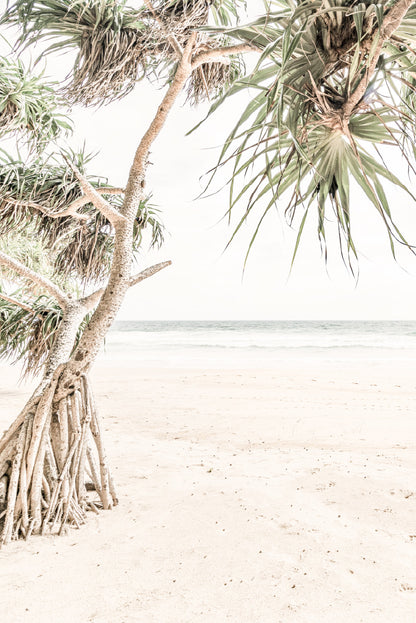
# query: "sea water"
[252,343]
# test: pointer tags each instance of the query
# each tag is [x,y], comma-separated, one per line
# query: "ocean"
[246,344]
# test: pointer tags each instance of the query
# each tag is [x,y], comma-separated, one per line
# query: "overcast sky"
[205,282]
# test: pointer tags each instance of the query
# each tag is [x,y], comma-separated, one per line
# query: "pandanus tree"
[334,84]
[69,238]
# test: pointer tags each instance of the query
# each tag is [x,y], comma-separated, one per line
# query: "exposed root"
[46,463]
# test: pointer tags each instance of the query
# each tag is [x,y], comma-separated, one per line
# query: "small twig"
[109,190]
[14,301]
[148,272]
[171,38]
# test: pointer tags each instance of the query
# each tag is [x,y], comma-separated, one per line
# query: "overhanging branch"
[182,73]
[71,210]
[11,299]
[90,301]
[217,54]
[35,279]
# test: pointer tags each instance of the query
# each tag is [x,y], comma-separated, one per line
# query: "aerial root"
[53,466]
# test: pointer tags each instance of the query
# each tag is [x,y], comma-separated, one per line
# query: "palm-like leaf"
[85,252]
[295,144]
[106,36]
[77,250]
[28,105]
[117,45]
[28,336]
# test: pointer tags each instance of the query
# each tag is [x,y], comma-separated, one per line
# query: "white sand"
[250,496]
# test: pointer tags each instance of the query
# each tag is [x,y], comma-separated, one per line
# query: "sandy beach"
[250,496]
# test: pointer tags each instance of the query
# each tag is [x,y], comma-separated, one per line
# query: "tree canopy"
[333,87]
[334,95]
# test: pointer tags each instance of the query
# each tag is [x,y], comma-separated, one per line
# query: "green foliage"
[117,45]
[294,145]
[72,253]
[106,36]
[76,249]
[27,247]
[85,252]
[28,105]
[27,336]
[297,144]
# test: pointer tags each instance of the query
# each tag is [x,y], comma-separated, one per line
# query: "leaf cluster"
[27,336]
[118,45]
[29,105]
[294,145]
[78,250]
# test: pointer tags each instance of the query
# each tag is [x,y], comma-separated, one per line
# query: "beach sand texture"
[283,495]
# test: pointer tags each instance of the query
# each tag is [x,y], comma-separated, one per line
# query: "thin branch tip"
[148,272]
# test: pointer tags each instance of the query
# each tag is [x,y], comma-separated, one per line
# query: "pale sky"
[204,282]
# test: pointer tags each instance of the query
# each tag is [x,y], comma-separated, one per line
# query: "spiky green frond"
[27,336]
[117,45]
[298,144]
[77,249]
[85,253]
[29,106]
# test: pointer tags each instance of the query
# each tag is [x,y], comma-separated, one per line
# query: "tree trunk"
[53,466]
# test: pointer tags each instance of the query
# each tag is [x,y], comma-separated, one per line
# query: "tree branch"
[148,272]
[35,279]
[90,301]
[119,278]
[109,190]
[182,73]
[71,210]
[91,194]
[14,301]
[390,23]
[217,54]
